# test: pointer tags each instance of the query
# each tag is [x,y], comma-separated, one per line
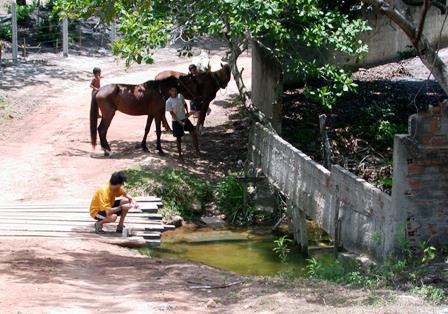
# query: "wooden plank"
[147,206]
[138,224]
[148,199]
[83,204]
[57,210]
[24,215]
[64,228]
[152,242]
[129,220]
[146,235]
[169,227]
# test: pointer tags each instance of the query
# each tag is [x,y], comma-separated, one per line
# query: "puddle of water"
[248,252]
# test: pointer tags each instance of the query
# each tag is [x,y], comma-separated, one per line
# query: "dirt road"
[46,155]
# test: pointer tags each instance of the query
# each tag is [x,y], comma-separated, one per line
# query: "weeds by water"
[183,193]
[187,195]
[282,248]
[230,196]
[397,274]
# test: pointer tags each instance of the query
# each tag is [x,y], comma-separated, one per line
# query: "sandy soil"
[46,151]
[46,156]
[82,276]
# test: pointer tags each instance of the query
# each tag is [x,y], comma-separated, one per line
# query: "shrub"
[5,32]
[181,192]
[230,199]
[432,294]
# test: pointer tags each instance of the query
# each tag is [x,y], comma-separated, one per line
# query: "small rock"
[167,307]
[211,303]
[214,221]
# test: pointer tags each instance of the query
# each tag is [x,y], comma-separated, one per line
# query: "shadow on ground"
[35,72]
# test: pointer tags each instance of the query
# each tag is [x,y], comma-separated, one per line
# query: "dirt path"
[47,155]
[81,276]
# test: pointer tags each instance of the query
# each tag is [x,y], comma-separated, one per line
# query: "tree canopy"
[281,26]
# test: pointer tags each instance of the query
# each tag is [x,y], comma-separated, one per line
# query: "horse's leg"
[202,114]
[108,115]
[158,119]
[148,127]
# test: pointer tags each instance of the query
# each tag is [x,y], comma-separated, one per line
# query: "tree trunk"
[427,54]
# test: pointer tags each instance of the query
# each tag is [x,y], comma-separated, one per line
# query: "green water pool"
[247,252]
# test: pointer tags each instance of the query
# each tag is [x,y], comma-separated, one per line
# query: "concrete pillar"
[14,32]
[65,37]
[113,32]
[298,226]
[267,85]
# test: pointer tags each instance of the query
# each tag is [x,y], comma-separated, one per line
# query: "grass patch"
[183,193]
[230,199]
[4,110]
[393,273]
[430,293]
[188,195]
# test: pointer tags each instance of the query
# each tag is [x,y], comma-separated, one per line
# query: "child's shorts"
[101,215]
[179,130]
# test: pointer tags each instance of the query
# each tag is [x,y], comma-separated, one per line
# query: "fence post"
[113,32]
[14,32]
[65,37]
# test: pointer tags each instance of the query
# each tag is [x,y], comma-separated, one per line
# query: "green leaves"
[284,26]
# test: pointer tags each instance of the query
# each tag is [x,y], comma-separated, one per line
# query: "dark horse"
[202,87]
[135,100]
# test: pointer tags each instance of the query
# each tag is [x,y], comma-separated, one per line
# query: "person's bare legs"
[110,217]
[124,206]
[194,137]
[179,148]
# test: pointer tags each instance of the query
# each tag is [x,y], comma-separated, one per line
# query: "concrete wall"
[321,193]
[386,40]
[267,86]
[420,180]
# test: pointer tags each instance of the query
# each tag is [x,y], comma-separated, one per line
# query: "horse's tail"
[93,119]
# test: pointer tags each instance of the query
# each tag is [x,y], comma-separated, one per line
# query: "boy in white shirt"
[177,106]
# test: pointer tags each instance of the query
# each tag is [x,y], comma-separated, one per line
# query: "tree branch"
[427,54]
[426,6]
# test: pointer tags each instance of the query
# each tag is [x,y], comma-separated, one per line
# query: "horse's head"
[223,75]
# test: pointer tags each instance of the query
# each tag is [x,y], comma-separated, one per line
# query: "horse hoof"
[161,153]
[107,153]
[145,149]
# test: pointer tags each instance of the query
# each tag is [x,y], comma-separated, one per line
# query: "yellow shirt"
[104,198]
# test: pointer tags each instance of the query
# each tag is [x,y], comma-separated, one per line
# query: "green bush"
[24,12]
[432,294]
[181,192]
[230,199]
[5,32]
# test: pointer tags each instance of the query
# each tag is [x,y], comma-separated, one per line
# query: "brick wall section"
[420,182]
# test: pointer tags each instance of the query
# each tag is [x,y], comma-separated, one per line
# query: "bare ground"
[46,156]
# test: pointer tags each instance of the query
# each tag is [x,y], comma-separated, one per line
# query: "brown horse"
[202,87]
[135,100]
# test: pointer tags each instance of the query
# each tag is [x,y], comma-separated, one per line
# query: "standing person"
[105,207]
[177,106]
[95,84]
[195,104]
